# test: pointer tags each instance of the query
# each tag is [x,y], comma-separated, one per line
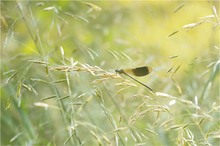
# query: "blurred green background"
[58,80]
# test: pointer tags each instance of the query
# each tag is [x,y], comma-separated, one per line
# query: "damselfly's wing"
[139,71]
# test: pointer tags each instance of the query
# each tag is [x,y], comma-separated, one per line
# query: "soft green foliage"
[58,80]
